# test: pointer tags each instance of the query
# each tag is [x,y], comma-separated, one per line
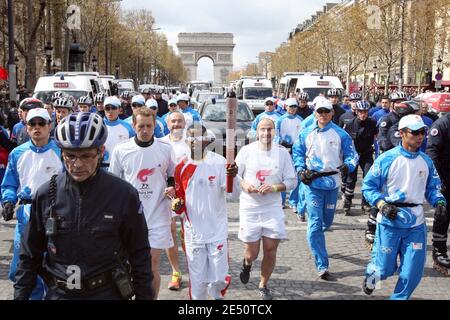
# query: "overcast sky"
[257,25]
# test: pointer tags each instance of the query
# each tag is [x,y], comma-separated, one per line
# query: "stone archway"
[216,46]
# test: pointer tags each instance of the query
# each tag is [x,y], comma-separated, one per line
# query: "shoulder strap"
[52,194]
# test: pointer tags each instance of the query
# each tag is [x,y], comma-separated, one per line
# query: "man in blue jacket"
[323,151]
[397,184]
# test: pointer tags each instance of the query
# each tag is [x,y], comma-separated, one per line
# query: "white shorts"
[208,269]
[253,226]
[160,237]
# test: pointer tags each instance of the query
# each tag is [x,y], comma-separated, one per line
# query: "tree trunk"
[386,81]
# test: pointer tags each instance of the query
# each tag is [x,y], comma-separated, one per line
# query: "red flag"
[3,74]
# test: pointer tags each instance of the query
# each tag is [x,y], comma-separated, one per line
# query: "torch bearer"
[231,103]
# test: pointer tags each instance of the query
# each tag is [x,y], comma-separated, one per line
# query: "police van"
[314,84]
[75,84]
[253,91]
[107,82]
[288,82]
[125,85]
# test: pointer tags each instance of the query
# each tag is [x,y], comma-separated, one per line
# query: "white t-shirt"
[257,167]
[147,169]
[180,147]
[204,187]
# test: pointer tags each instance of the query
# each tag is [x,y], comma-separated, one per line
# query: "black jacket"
[338,112]
[438,147]
[363,134]
[163,107]
[95,220]
[384,136]
[304,112]
[346,118]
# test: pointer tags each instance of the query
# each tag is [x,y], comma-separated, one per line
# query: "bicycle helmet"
[85,100]
[303,96]
[81,130]
[362,105]
[398,95]
[30,103]
[333,92]
[63,103]
[99,97]
[355,96]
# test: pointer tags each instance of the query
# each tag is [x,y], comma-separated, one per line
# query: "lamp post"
[16,60]
[94,63]
[48,54]
[54,67]
[117,66]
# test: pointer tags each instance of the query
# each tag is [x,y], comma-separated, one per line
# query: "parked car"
[213,114]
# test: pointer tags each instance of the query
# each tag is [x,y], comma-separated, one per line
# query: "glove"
[388,210]
[8,211]
[286,145]
[440,212]
[343,169]
[305,176]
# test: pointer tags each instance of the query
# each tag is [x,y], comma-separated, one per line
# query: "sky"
[257,25]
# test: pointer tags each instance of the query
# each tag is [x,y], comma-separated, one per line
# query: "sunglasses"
[137,105]
[269,104]
[173,105]
[199,139]
[153,107]
[417,132]
[321,111]
[111,108]
[37,123]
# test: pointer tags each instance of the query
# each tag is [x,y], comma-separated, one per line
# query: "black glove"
[286,145]
[8,211]
[389,210]
[440,212]
[305,176]
[343,169]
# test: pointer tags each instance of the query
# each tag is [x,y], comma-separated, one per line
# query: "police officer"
[82,238]
[363,131]
[333,95]
[390,119]
[163,107]
[303,109]
[439,152]
[348,117]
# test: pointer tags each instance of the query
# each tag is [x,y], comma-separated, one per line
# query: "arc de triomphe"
[217,46]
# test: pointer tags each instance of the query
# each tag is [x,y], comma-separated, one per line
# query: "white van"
[125,85]
[289,81]
[253,91]
[316,84]
[76,84]
[107,82]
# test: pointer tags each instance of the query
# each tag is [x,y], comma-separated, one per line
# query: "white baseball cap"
[139,98]
[151,103]
[325,103]
[291,102]
[112,101]
[172,101]
[412,121]
[269,99]
[183,97]
[38,113]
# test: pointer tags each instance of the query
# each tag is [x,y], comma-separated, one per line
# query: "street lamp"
[48,54]
[117,70]
[340,74]
[54,67]
[439,61]
[375,68]
[94,63]
[16,60]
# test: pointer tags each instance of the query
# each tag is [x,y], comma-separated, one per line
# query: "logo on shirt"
[122,137]
[434,132]
[397,134]
[387,250]
[51,170]
[383,124]
[262,174]
[421,173]
[144,174]
[211,180]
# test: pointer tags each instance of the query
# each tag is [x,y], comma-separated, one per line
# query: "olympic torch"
[231,104]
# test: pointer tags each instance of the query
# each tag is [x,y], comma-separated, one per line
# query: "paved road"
[294,276]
